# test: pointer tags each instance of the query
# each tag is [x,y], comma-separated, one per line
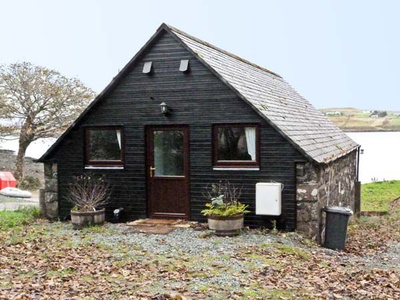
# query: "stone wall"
[318,186]
[49,197]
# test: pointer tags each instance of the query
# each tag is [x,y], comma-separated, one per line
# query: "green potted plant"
[89,194]
[225,213]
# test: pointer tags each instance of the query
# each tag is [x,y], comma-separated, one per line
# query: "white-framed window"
[104,146]
[235,145]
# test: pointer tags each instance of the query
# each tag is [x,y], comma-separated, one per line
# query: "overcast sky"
[335,53]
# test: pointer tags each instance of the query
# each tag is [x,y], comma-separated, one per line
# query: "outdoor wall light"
[362,151]
[164,108]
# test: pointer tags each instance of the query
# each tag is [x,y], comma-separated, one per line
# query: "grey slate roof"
[280,104]
[270,96]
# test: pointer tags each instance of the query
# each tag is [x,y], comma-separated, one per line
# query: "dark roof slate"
[269,95]
[279,103]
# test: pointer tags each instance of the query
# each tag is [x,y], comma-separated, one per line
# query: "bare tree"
[36,102]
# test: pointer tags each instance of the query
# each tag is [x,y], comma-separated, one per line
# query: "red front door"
[168,171]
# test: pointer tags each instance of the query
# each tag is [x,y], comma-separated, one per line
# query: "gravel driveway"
[11,203]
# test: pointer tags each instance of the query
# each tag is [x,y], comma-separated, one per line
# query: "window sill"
[236,169]
[104,167]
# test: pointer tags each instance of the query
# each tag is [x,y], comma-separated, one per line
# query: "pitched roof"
[267,93]
[280,104]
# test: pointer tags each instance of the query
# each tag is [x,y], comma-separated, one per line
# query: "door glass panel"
[168,153]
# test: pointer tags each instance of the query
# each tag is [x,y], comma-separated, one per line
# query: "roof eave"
[344,153]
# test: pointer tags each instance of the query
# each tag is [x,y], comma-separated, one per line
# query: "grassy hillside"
[352,119]
[377,196]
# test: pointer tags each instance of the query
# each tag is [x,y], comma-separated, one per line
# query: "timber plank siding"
[199,100]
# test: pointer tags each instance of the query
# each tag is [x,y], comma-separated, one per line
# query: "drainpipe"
[358,163]
[357,196]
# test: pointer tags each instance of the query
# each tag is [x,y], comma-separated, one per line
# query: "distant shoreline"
[358,120]
[368,130]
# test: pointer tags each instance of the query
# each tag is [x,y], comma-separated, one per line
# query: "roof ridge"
[306,138]
[174,29]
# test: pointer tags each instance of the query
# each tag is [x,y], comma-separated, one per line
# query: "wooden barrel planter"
[80,219]
[226,226]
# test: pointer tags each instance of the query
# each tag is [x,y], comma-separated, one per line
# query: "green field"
[377,196]
[352,119]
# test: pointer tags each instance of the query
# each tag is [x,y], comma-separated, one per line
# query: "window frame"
[103,163]
[234,163]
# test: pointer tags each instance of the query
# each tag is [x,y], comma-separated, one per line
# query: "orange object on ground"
[7,180]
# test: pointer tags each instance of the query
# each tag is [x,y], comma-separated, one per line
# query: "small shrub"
[88,192]
[30,183]
[224,198]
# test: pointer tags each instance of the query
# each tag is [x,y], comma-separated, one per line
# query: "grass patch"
[26,275]
[376,196]
[23,216]
[293,250]
[60,273]
[395,122]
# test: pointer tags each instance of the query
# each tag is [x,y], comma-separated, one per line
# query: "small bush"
[20,217]
[30,183]
[88,192]
[224,198]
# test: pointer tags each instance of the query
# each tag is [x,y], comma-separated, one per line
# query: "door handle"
[152,169]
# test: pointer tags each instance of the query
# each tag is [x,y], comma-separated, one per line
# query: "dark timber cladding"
[198,100]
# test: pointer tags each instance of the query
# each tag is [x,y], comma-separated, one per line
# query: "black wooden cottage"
[183,114]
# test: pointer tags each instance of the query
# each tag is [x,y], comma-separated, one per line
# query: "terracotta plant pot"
[80,219]
[226,226]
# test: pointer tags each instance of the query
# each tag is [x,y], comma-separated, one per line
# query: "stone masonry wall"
[49,197]
[319,186]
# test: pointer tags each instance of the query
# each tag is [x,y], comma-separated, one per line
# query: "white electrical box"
[268,198]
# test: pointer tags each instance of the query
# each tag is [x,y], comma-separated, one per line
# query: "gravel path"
[186,242]
[182,241]
[212,253]
[202,253]
[10,203]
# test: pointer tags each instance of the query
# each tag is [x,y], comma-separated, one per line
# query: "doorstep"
[158,226]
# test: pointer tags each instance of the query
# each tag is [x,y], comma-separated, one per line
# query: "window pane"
[236,143]
[184,66]
[147,67]
[104,144]
[168,153]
